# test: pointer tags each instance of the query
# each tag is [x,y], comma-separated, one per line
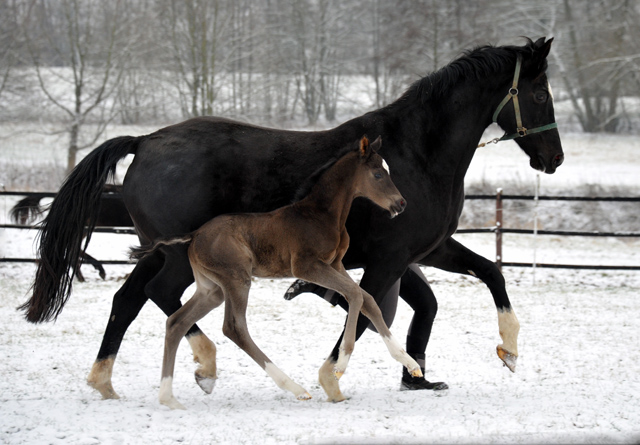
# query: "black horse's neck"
[448,110]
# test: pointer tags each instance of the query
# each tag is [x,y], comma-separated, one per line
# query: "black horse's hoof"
[299,287]
[419,383]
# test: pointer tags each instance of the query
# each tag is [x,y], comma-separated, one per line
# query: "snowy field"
[577,379]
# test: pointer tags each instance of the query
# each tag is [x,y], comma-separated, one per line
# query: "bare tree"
[600,67]
[10,41]
[82,37]
[199,52]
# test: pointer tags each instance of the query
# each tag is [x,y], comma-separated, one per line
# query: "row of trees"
[273,61]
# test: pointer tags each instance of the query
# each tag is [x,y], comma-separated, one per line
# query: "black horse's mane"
[308,184]
[480,63]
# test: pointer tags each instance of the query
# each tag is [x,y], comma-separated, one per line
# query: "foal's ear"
[365,148]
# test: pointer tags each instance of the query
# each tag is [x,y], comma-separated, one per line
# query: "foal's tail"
[72,216]
[137,253]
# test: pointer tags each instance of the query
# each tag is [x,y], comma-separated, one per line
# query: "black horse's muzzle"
[550,166]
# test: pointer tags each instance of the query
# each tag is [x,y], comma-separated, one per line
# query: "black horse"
[185,174]
[111,213]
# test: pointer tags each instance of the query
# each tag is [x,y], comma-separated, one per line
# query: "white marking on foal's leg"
[509,327]
[328,381]
[285,382]
[401,355]
[166,394]
[100,378]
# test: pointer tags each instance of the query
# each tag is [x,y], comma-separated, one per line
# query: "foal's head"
[373,180]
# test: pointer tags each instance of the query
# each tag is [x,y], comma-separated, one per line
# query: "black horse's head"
[526,112]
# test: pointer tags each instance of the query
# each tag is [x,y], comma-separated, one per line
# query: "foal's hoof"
[172,403]
[304,396]
[508,358]
[206,383]
[416,372]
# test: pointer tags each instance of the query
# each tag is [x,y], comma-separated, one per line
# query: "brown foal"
[306,240]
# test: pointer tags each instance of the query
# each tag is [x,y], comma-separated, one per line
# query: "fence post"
[499,229]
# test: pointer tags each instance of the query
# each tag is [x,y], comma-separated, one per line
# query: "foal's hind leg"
[165,290]
[235,328]
[202,302]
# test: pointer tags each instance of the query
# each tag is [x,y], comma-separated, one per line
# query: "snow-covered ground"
[577,379]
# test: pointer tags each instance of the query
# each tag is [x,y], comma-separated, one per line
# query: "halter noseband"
[521,131]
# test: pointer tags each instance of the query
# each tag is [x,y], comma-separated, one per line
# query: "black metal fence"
[498,229]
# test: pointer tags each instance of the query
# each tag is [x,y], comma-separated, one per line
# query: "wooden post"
[499,229]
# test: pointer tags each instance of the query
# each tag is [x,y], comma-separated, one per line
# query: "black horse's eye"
[377,175]
[541,96]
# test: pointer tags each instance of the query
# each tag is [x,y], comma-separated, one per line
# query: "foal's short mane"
[308,184]
[480,63]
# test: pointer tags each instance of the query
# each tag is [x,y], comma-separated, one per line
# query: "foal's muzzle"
[397,207]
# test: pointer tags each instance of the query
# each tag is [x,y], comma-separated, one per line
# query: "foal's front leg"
[372,311]
[339,281]
[235,328]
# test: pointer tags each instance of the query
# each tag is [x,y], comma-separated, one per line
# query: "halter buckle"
[522,131]
[513,91]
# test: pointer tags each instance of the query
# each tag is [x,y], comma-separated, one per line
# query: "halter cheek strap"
[521,131]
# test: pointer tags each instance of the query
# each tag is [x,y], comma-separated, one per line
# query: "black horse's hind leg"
[454,257]
[415,290]
[97,265]
[127,303]
[388,305]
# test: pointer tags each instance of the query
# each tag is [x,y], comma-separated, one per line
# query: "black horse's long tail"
[72,215]
[137,253]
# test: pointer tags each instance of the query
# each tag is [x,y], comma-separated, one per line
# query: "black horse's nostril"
[558,160]
[403,203]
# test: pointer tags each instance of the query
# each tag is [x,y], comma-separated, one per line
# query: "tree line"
[281,61]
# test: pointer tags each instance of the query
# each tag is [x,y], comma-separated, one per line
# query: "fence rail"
[498,229]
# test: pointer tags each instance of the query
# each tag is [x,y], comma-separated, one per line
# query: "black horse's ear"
[365,148]
[541,49]
[377,144]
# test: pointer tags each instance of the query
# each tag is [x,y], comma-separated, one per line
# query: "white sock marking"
[509,327]
[284,381]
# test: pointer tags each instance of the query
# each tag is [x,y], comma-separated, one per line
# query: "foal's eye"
[377,175]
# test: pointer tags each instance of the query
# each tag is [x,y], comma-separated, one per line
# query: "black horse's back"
[73,213]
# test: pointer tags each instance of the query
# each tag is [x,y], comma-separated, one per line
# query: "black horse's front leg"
[452,256]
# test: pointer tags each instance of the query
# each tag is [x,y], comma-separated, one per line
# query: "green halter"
[521,131]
